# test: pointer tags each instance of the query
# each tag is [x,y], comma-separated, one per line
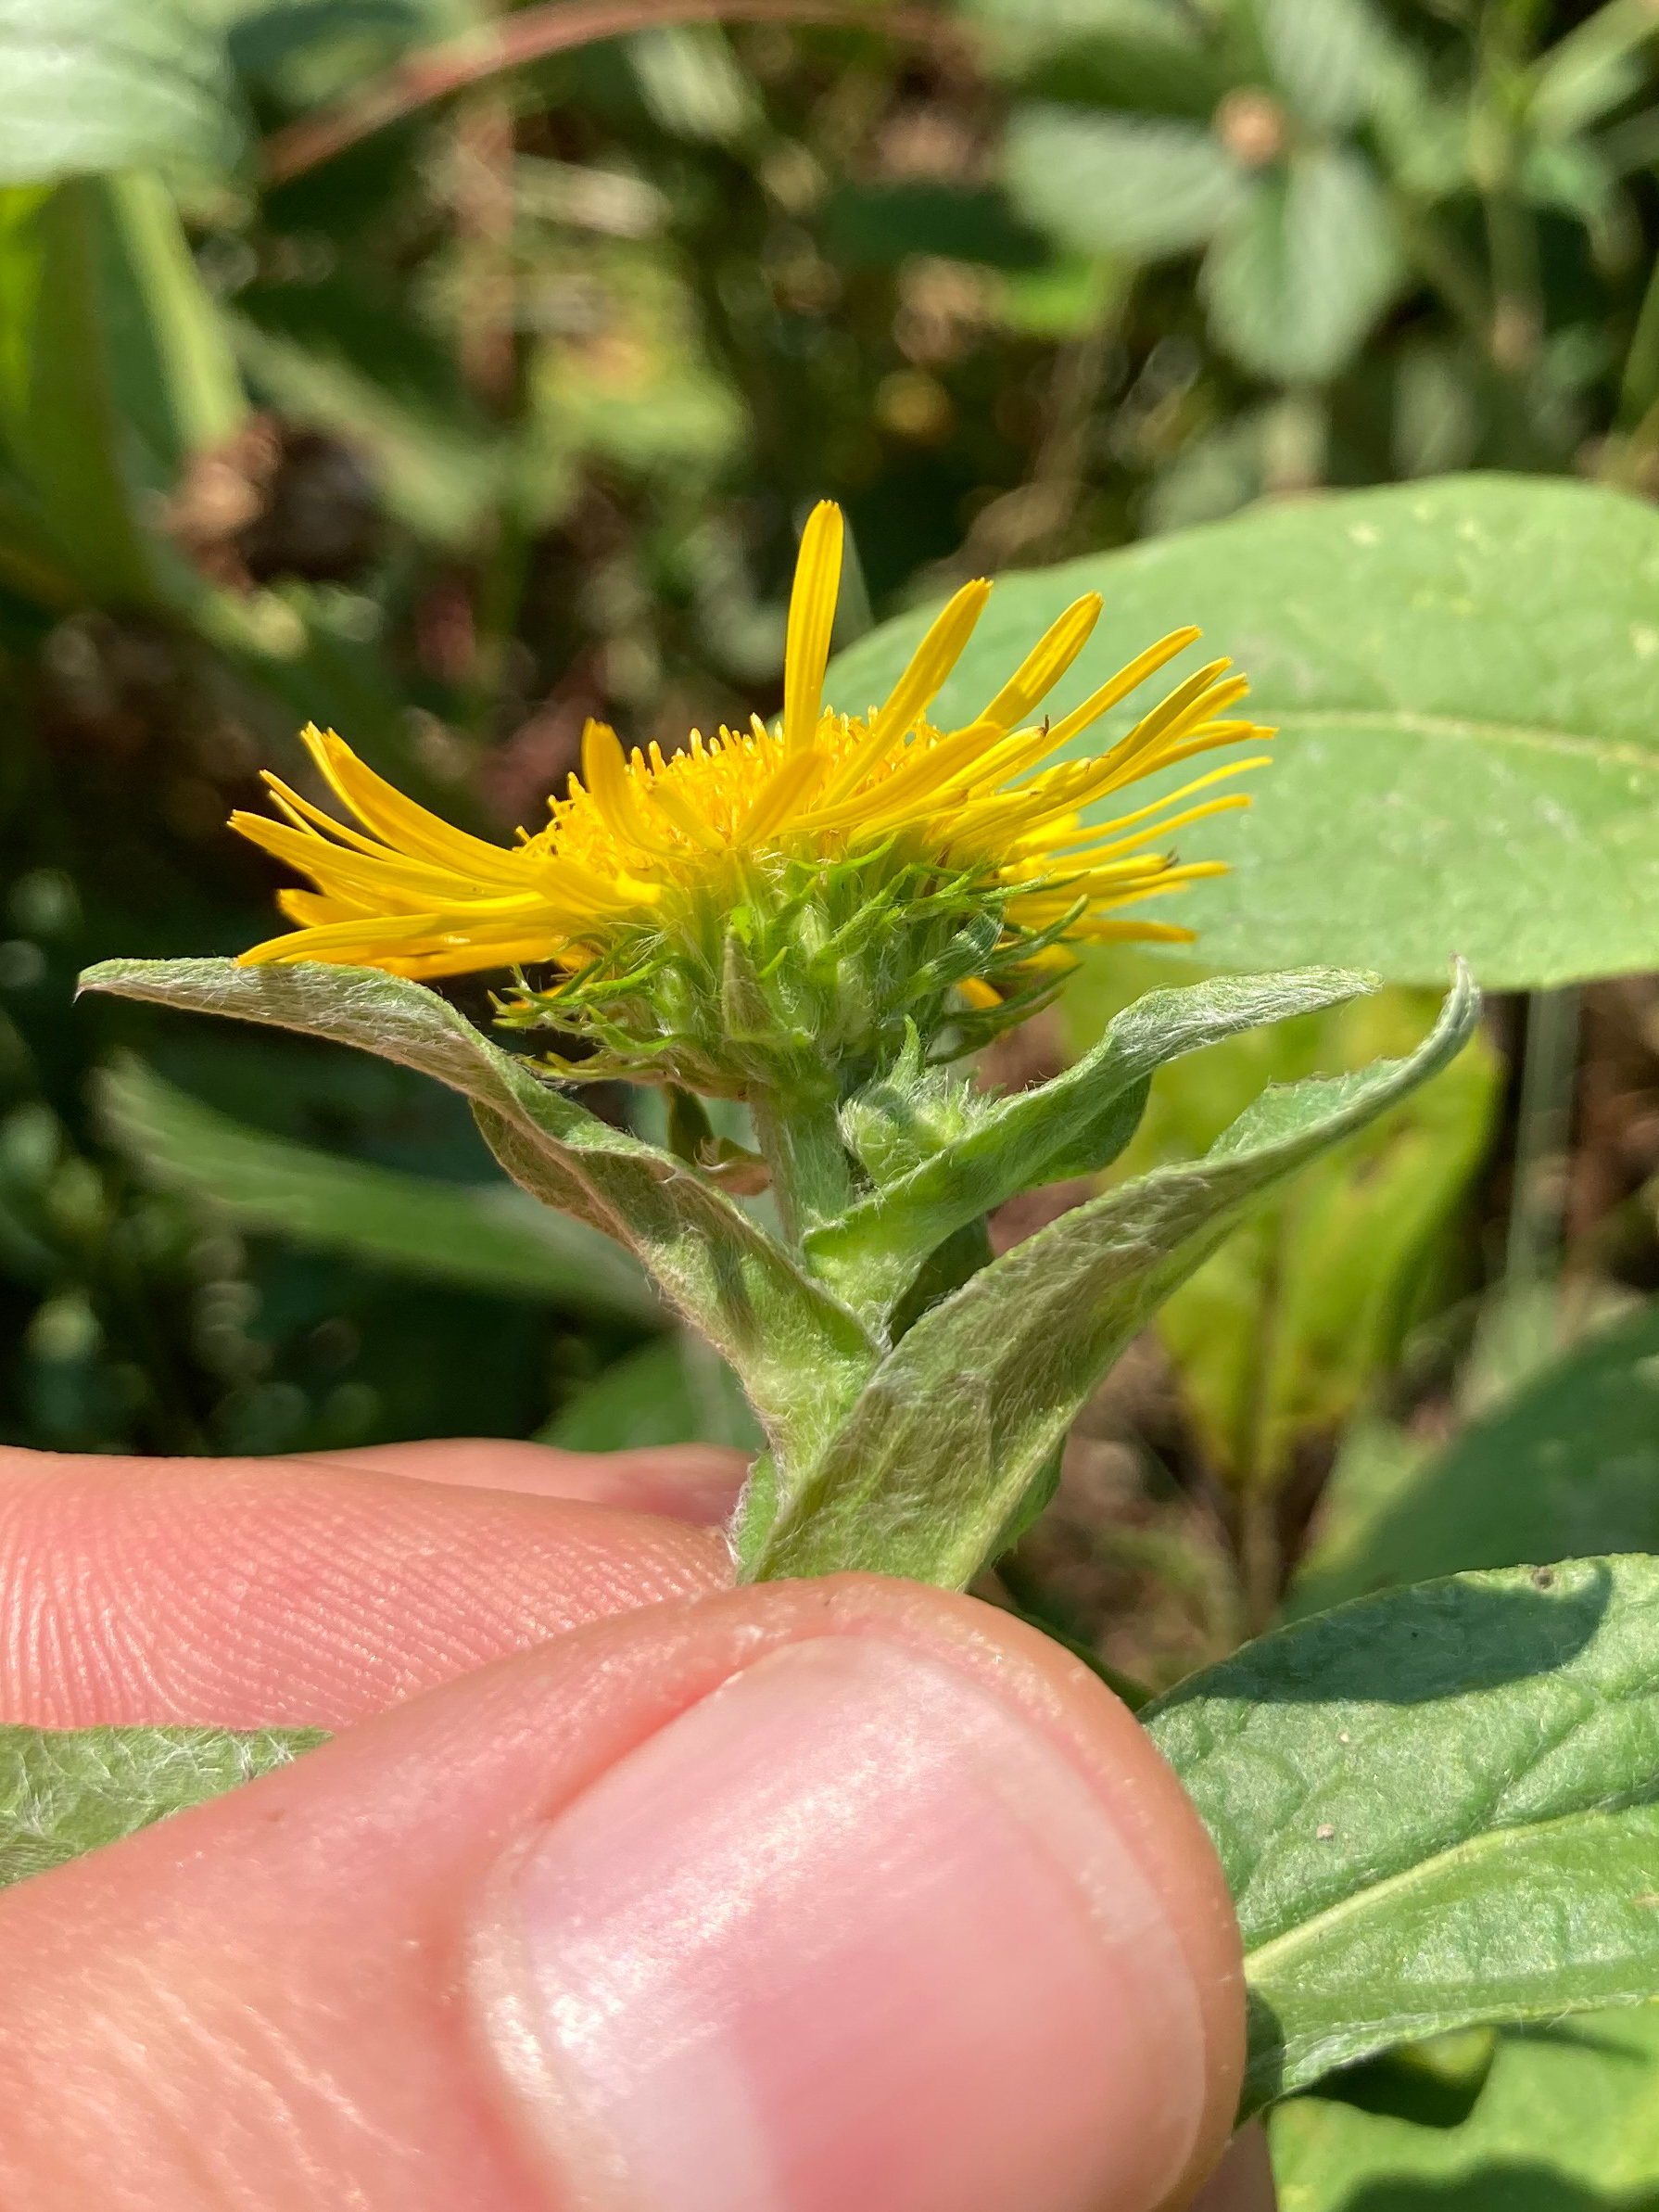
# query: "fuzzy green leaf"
[930,1466]
[64,1791]
[800,1355]
[1074,1126]
[1436,1808]
[1462,678]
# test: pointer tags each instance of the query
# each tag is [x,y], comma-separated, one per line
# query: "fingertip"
[811,1894]
[872,1925]
[691,1483]
[264,1592]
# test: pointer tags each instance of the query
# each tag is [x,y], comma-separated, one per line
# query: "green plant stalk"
[1443,265]
[801,1142]
[912,1454]
[1538,1207]
[1511,237]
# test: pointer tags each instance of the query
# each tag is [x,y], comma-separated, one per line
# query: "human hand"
[622,1889]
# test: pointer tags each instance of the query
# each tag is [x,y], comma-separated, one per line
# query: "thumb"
[789,1899]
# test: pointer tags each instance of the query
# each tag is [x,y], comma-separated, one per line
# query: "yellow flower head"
[960,843]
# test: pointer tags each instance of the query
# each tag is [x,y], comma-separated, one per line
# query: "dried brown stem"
[531,34]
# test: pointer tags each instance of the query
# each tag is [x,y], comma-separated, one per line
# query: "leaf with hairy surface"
[930,1466]
[1436,1808]
[800,1355]
[1075,1125]
[64,1791]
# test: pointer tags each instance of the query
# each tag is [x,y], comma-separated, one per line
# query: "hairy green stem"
[800,1140]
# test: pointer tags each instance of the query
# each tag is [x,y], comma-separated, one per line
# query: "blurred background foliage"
[451,374]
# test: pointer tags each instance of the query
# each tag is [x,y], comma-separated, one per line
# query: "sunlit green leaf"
[1569,1463]
[800,1355]
[1103,182]
[1300,273]
[1435,1807]
[1567,2120]
[1323,55]
[1464,678]
[91,86]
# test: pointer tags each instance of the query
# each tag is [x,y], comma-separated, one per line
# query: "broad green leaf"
[1596,68]
[490,1237]
[1464,676]
[1568,2121]
[800,1355]
[1323,55]
[1300,273]
[1106,182]
[1569,1463]
[178,385]
[692,85]
[71,437]
[933,1462]
[1074,1125]
[64,1791]
[1435,1807]
[95,86]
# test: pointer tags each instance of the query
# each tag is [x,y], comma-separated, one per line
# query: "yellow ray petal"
[312,909]
[604,772]
[380,806]
[890,803]
[341,864]
[685,817]
[1095,838]
[780,796]
[1127,680]
[811,619]
[1045,664]
[304,816]
[1228,804]
[917,688]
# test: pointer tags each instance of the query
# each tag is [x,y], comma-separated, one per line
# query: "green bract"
[799,985]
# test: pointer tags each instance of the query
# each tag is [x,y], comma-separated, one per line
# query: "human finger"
[697,1482]
[258,1593]
[789,1900]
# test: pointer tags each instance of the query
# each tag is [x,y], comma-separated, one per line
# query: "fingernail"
[850,1933]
